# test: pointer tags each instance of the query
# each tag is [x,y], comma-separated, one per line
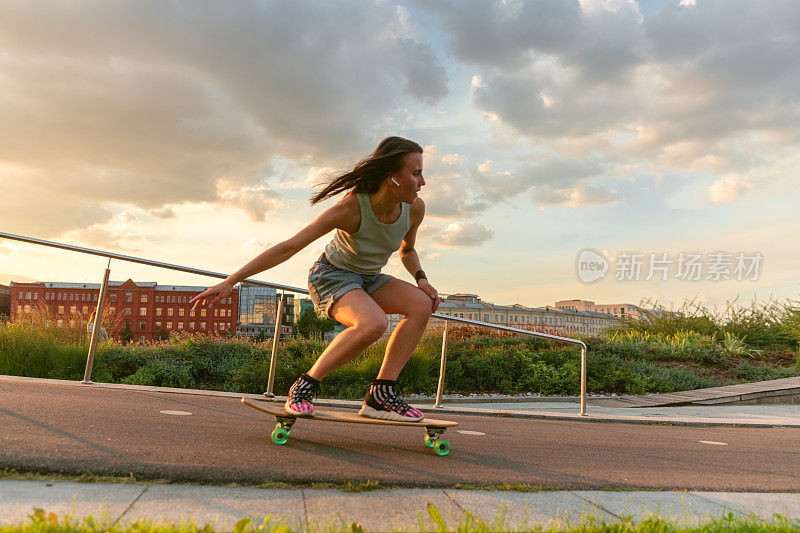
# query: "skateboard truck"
[433,440]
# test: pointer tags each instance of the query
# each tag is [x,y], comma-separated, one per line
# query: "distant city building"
[617,310]
[300,306]
[258,310]
[147,309]
[575,305]
[546,319]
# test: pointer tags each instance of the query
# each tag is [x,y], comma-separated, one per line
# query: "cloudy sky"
[194,132]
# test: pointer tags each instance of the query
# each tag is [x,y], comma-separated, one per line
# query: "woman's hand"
[212,295]
[428,289]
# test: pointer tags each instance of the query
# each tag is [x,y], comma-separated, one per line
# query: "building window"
[191,313]
[202,325]
[60,309]
[128,296]
[142,311]
[127,311]
[112,298]
[143,299]
[169,311]
[142,324]
[216,312]
[180,325]
[158,324]
[85,309]
[181,311]
[191,325]
[111,310]
[158,311]
[202,312]
[73,309]
[60,322]
[169,325]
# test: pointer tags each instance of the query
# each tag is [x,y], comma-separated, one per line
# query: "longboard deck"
[277,410]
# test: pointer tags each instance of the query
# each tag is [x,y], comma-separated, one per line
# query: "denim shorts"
[327,283]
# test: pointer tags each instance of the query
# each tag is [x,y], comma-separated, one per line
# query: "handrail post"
[583,380]
[97,326]
[276,338]
[440,388]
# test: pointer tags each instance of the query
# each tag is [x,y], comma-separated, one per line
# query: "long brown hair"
[368,174]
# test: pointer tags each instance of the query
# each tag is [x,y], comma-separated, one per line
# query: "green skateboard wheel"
[442,447]
[280,435]
[428,441]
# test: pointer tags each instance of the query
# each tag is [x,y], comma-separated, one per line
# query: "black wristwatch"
[419,275]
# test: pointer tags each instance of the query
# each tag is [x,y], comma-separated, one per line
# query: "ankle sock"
[381,389]
[309,379]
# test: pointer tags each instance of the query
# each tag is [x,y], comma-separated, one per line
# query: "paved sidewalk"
[377,510]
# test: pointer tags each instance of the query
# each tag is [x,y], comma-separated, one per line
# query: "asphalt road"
[72,428]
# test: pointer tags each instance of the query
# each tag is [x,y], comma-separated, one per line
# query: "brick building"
[146,308]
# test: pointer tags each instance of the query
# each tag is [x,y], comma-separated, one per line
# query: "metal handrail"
[288,288]
[149,262]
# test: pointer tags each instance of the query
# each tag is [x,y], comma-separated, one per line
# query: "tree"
[127,335]
[310,323]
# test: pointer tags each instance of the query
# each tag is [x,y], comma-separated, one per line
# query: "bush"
[639,360]
[747,372]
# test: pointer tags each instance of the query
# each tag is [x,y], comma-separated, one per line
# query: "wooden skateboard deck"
[433,428]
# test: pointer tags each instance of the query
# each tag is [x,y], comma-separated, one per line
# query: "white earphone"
[394,181]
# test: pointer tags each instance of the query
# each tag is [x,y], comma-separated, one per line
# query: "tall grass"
[34,346]
[761,325]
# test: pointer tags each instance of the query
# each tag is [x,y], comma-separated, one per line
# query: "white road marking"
[467,432]
[713,442]
[176,413]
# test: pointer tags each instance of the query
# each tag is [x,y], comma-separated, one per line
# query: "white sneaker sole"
[368,412]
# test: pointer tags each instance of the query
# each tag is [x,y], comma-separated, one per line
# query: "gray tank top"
[367,250]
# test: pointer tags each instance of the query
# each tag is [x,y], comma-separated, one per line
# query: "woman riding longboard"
[380,213]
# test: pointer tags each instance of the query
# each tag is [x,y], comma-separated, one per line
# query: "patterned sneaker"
[300,396]
[381,402]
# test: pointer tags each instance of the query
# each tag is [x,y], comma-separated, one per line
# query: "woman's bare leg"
[400,297]
[367,323]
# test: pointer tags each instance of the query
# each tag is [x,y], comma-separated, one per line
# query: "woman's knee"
[421,306]
[373,328]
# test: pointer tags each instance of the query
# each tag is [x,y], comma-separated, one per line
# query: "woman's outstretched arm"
[333,218]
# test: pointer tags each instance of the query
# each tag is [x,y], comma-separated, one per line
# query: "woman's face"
[410,178]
